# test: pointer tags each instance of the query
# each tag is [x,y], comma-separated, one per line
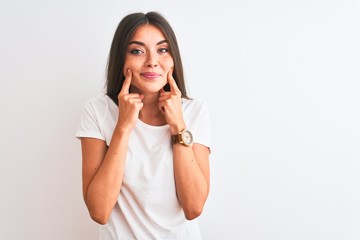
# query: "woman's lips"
[150,75]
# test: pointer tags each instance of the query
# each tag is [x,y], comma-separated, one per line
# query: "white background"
[281,79]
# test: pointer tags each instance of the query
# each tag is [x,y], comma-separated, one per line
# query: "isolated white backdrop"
[281,79]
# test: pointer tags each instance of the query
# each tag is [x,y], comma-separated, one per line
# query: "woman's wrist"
[122,130]
[177,128]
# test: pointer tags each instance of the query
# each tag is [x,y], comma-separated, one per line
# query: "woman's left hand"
[170,106]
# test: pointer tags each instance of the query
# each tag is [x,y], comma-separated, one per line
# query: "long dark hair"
[122,37]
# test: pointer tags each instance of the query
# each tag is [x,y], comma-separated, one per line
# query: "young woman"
[145,143]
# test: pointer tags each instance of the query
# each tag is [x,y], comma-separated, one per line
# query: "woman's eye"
[163,50]
[136,52]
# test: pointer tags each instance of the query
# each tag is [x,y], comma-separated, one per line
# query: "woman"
[145,144]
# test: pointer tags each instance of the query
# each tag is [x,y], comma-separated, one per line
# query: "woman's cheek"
[126,67]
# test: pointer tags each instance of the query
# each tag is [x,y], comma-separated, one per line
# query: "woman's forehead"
[148,33]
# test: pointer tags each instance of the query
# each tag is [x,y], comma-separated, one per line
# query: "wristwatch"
[184,137]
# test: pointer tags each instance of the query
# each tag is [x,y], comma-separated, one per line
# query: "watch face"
[187,137]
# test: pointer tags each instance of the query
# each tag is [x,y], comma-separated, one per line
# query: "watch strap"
[177,137]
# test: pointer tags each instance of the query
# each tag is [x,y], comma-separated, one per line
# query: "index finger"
[127,82]
[172,82]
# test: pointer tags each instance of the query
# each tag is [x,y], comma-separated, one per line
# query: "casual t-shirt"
[147,206]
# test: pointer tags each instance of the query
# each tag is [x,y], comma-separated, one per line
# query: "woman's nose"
[151,60]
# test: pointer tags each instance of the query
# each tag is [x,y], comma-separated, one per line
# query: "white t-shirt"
[147,206]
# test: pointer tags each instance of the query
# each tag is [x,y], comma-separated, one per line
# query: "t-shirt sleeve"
[89,125]
[202,133]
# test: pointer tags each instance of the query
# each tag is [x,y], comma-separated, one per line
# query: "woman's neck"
[150,112]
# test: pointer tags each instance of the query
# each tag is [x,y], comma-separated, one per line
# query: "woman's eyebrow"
[137,42]
[161,42]
[143,44]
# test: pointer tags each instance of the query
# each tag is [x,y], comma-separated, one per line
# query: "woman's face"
[149,59]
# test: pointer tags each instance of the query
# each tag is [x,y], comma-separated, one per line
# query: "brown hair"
[122,37]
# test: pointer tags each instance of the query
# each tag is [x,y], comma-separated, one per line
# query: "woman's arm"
[102,172]
[192,177]
[191,164]
[103,169]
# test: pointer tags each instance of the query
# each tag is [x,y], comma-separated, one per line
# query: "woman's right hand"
[130,105]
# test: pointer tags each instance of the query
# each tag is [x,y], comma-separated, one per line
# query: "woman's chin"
[151,91]
[147,89]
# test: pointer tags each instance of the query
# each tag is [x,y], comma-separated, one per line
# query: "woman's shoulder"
[99,101]
[100,104]
[194,105]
